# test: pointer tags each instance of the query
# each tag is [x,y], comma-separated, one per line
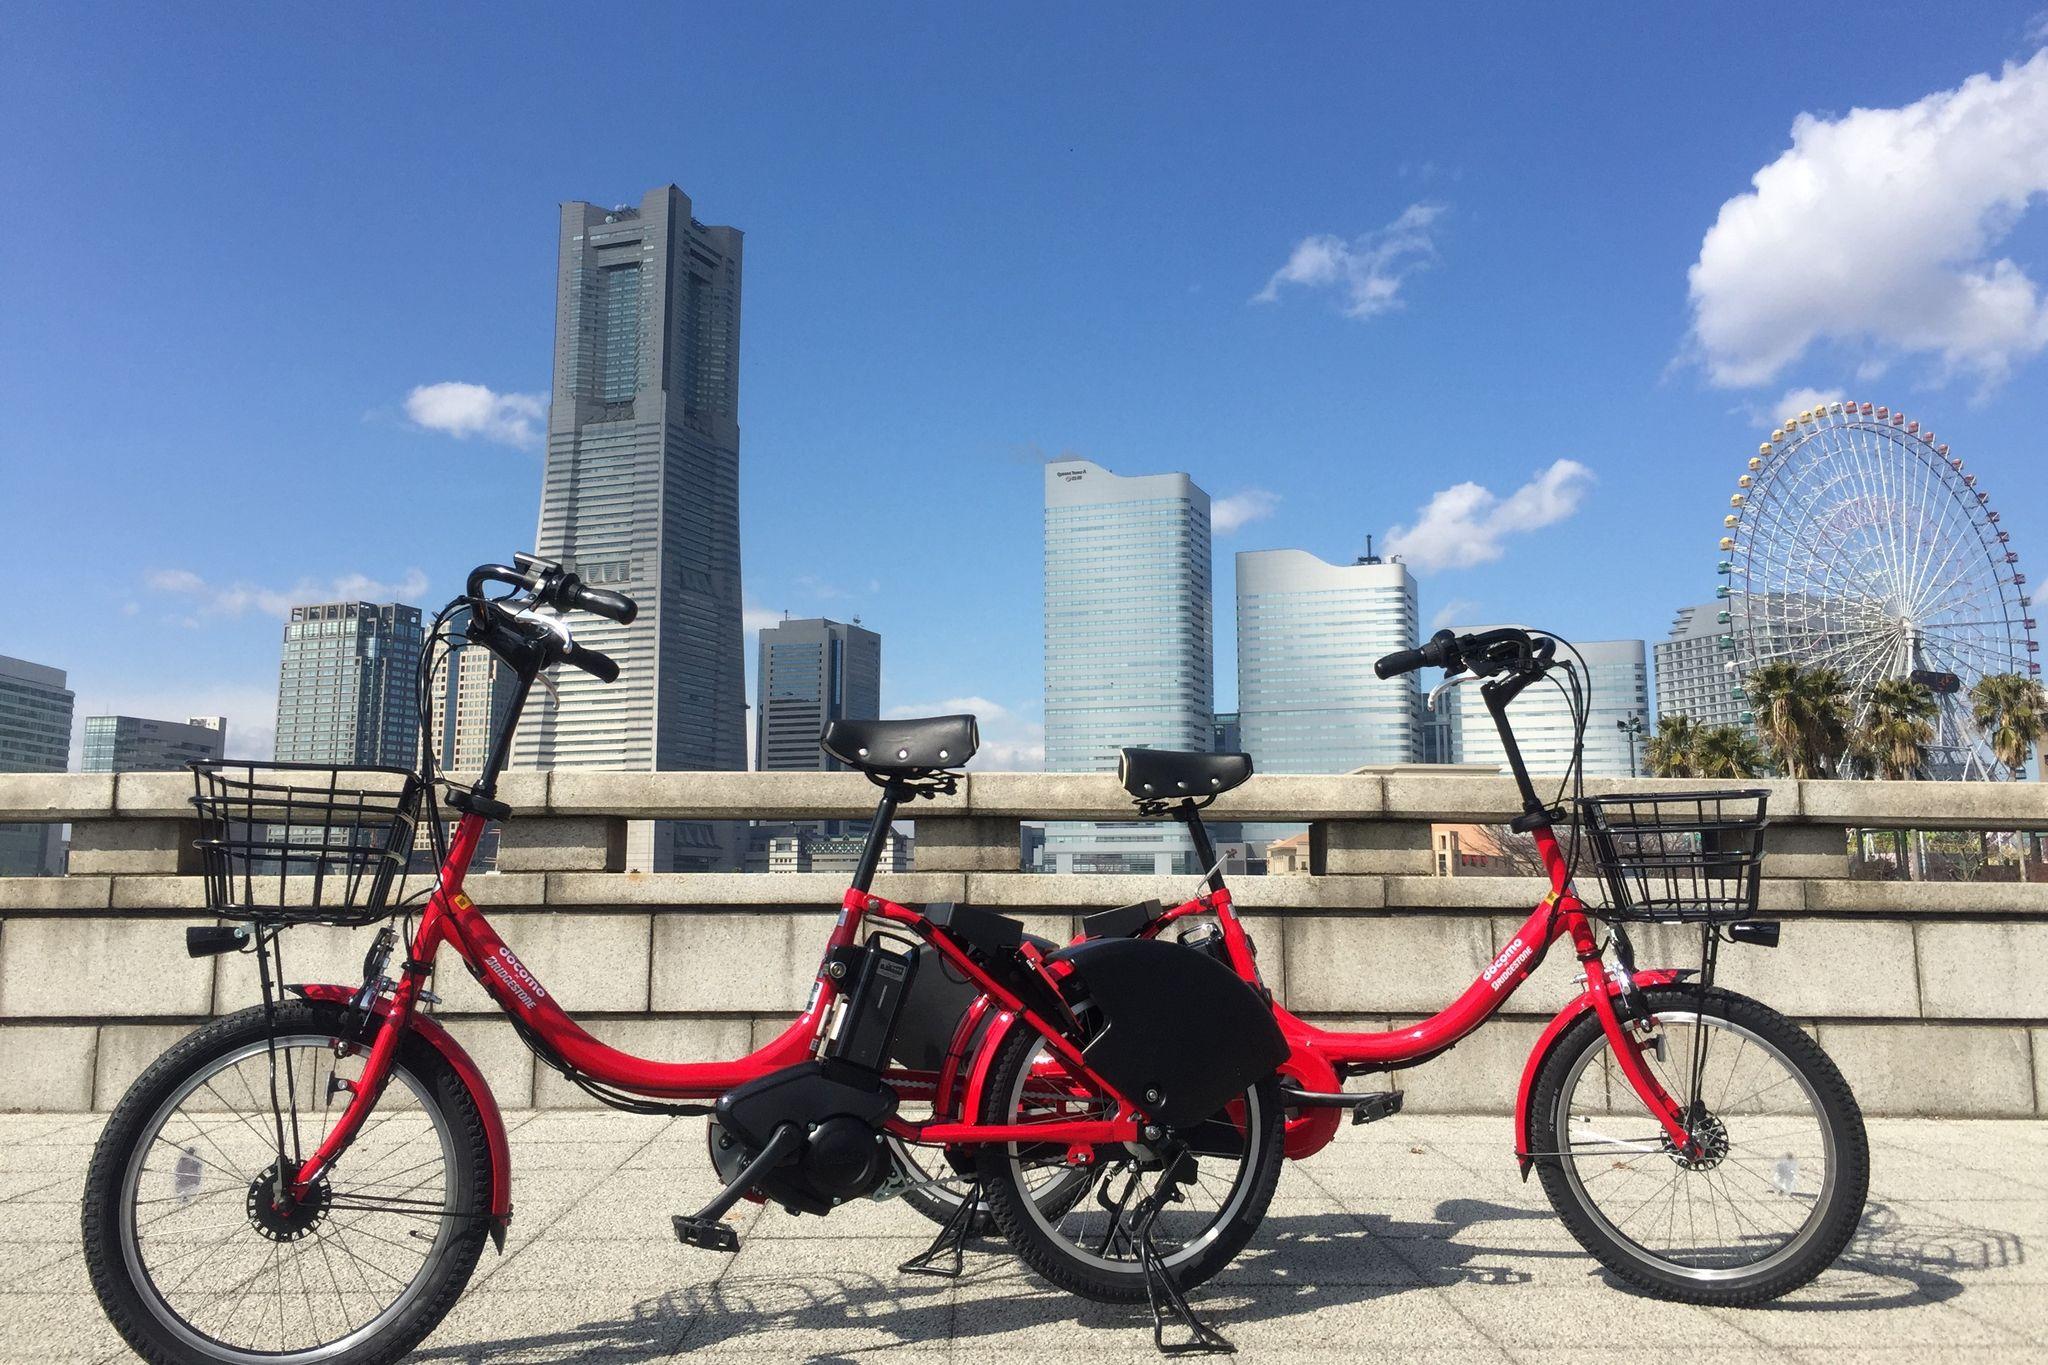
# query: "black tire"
[1028,1224]
[1748,1265]
[143,1313]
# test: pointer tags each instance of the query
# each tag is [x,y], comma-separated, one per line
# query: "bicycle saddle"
[902,747]
[1168,774]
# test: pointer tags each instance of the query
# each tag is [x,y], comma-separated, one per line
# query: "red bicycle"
[313,1179]
[1697,1142]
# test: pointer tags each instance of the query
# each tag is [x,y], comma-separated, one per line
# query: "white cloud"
[1876,231]
[755,617]
[1241,509]
[1368,271]
[466,410]
[1466,524]
[1010,740]
[1794,402]
[239,599]
[2037,28]
[1455,612]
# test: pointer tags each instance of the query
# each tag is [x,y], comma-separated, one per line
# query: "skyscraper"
[35,737]
[1617,688]
[1694,677]
[474,689]
[812,672]
[1308,633]
[348,688]
[134,744]
[1127,644]
[641,495]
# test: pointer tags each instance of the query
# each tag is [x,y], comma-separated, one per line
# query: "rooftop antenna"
[1368,557]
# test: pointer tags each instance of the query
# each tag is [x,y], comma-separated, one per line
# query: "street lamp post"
[1633,728]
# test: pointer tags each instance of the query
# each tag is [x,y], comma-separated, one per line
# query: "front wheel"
[189,1251]
[1774,1186]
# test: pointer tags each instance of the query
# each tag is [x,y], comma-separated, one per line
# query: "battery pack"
[880,986]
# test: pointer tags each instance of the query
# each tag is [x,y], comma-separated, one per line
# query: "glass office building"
[1128,644]
[135,744]
[35,737]
[1618,687]
[348,688]
[1308,633]
[641,495]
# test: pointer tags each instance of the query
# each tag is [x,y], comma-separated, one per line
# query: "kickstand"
[952,1240]
[1159,1284]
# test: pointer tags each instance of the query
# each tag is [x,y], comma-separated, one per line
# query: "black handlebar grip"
[599,666]
[613,606]
[1400,661]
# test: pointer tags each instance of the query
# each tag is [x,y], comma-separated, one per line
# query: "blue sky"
[238,239]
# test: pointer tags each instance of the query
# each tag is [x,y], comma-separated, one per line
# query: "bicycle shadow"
[1338,1259]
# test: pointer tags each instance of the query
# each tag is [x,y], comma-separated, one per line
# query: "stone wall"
[1933,997]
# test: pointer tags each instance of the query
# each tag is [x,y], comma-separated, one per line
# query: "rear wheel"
[1075,1225]
[1773,1191]
[188,1249]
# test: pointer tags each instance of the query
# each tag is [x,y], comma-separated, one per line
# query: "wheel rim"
[314,1284]
[1768,1177]
[1097,1227]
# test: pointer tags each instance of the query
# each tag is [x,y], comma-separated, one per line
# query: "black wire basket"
[1678,858]
[305,843]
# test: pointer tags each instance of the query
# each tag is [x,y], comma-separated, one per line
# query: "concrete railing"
[1932,996]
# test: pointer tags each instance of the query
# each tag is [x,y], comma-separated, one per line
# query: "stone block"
[147,892]
[805,890]
[1806,851]
[1465,893]
[1970,969]
[1918,899]
[1462,797]
[1351,847]
[1926,805]
[125,1052]
[715,1039]
[724,795]
[507,1063]
[1821,968]
[45,798]
[1368,963]
[592,963]
[1481,1075]
[128,847]
[54,893]
[706,962]
[153,795]
[1954,1070]
[100,968]
[591,843]
[969,845]
[313,953]
[47,1067]
[2040,1041]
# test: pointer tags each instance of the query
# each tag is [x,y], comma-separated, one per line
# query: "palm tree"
[1898,725]
[2012,710]
[1725,751]
[1669,752]
[1802,717]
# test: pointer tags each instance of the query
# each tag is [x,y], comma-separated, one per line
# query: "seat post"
[878,835]
[1190,814]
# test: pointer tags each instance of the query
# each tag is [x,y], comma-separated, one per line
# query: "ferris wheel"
[1856,542]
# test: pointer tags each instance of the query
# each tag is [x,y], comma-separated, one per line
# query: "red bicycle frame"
[454,921]
[1321,1057]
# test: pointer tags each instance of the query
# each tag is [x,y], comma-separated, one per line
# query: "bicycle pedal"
[708,1233]
[1373,1108]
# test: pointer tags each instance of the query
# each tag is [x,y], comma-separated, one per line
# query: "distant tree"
[1669,752]
[1802,717]
[1897,727]
[2012,712]
[1726,751]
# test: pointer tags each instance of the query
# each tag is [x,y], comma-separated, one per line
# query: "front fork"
[1622,1025]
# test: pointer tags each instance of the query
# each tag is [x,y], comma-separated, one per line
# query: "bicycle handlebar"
[602,667]
[575,594]
[1484,652]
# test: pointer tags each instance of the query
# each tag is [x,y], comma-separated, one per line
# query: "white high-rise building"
[1128,645]
[1694,673]
[1308,633]
[1618,688]
[35,737]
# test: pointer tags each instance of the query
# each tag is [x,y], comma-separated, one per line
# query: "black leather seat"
[902,747]
[1170,774]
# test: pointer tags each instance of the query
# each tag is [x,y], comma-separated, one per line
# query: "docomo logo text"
[1503,967]
[509,969]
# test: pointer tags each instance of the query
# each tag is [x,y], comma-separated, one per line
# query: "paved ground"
[1409,1240]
